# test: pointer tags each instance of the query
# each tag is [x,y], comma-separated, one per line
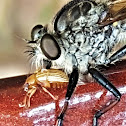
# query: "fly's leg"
[117,55]
[110,87]
[70,89]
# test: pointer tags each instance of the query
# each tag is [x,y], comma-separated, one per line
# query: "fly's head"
[43,46]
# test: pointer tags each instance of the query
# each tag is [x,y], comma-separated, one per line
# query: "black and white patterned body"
[82,40]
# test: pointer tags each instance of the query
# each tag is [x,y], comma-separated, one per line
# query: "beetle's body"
[84,36]
[56,78]
[51,78]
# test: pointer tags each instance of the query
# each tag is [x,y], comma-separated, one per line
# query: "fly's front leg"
[71,86]
[110,87]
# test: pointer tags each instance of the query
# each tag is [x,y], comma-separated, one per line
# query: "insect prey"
[47,78]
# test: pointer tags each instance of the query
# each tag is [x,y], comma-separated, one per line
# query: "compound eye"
[37,32]
[50,47]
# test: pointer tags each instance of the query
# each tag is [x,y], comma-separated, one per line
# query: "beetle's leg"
[30,93]
[26,101]
[71,86]
[55,98]
[117,55]
[109,86]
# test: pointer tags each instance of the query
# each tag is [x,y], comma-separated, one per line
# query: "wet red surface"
[85,101]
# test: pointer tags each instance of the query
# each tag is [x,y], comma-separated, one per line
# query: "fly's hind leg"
[110,87]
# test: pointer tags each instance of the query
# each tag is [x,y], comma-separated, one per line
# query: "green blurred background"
[17,17]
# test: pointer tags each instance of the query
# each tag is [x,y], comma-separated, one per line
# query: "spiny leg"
[110,87]
[71,86]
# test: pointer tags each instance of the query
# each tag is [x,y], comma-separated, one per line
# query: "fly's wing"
[117,11]
[71,12]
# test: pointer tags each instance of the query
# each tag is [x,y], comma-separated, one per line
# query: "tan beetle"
[47,78]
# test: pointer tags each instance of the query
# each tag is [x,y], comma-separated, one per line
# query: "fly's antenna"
[25,40]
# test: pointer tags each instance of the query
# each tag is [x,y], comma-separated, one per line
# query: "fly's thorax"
[85,47]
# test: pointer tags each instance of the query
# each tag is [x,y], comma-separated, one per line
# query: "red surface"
[85,101]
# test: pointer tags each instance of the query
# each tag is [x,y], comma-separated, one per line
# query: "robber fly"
[84,34]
